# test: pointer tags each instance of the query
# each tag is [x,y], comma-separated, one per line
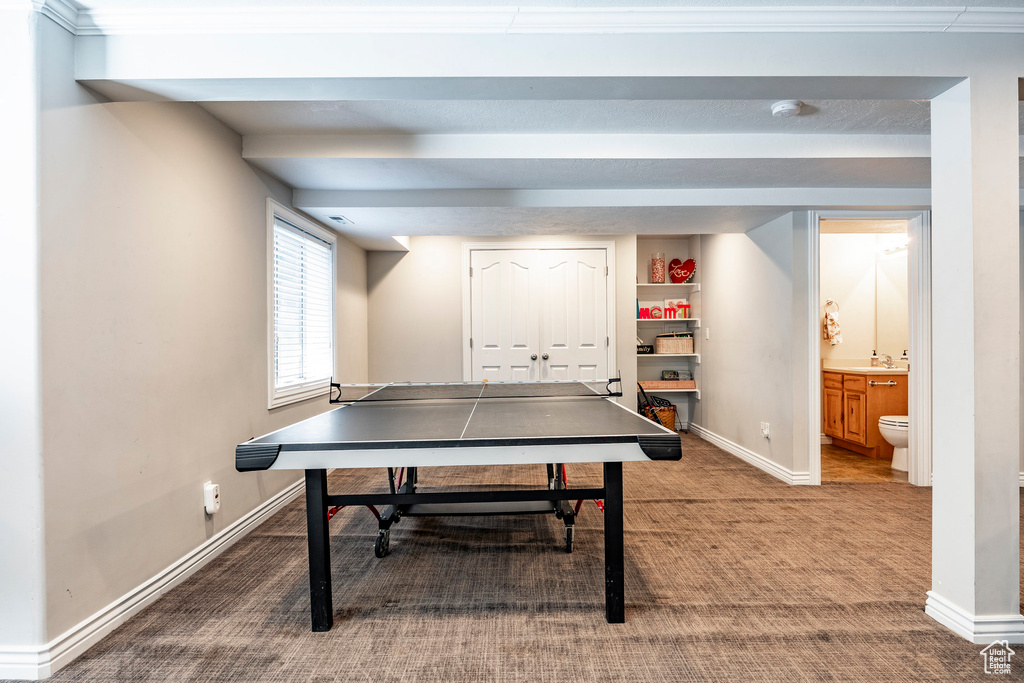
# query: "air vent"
[341,220]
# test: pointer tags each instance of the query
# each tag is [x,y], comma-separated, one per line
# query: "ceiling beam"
[586,146]
[527,19]
[210,88]
[282,66]
[340,200]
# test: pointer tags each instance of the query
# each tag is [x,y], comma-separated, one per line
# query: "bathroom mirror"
[892,306]
[863,268]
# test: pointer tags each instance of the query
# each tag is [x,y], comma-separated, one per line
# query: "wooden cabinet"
[855,416]
[851,405]
[832,408]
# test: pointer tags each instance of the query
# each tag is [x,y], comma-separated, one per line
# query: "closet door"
[539,314]
[574,314]
[505,316]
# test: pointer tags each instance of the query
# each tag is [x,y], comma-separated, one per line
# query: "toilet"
[895,430]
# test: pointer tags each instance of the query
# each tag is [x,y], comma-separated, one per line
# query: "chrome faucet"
[888,362]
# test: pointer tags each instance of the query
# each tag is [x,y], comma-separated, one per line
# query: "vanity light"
[898,243]
[787,108]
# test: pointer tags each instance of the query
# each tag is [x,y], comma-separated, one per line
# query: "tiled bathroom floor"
[839,464]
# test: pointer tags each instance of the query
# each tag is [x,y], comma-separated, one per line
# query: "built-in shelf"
[695,285]
[695,392]
[672,391]
[644,356]
[649,321]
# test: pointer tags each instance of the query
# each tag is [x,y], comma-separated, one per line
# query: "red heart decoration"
[675,271]
[681,271]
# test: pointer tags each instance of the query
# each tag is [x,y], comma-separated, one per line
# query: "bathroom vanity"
[853,400]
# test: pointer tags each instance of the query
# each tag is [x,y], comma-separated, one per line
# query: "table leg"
[614,573]
[320,602]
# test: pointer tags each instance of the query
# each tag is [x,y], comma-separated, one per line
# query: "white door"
[539,314]
[505,324]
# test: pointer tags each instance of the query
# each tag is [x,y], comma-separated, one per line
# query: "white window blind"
[303,301]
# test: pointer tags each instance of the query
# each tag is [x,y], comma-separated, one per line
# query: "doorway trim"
[467,303]
[919,290]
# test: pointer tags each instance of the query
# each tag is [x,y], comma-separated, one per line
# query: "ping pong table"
[407,426]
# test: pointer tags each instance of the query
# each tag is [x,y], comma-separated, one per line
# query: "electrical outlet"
[766,430]
[211,498]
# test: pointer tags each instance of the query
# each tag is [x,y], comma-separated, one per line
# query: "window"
[301,307]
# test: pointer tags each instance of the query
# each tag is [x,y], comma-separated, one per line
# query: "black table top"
[459,422]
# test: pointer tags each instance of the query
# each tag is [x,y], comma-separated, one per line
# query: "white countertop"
[861,370]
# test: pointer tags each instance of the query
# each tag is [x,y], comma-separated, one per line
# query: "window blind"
[303,307]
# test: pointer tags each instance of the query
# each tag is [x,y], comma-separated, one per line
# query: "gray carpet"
[730,575]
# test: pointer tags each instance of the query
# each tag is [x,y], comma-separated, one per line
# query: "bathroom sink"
[872,370]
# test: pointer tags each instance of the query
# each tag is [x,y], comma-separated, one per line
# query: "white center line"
[475,404]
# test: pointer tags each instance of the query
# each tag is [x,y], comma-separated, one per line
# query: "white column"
[23,586]
[976,360]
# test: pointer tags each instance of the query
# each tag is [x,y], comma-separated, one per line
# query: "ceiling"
[486,156]
[419,190]
[570,116]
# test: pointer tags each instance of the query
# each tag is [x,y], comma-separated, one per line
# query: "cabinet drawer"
[833,380]
[855,383]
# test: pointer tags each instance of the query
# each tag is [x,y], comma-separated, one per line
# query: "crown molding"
[989,20]
[534,20]
[64,13]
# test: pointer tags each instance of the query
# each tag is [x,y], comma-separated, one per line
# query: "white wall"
[22,537]
[154,335]
[747,364]
[415,308]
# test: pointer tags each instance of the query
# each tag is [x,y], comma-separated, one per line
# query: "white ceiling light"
[787,108]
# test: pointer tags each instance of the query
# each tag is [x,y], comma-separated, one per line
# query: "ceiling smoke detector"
[787,108]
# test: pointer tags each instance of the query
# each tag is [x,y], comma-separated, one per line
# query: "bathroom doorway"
[870,348]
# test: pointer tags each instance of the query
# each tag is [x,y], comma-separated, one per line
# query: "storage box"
[644,349]
[680,344]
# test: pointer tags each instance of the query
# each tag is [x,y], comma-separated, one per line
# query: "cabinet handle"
[873,383]
[533,357]
[545,356]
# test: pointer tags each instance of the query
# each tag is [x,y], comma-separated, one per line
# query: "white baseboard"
[977,629]
[826,439]
[37,662]
[749,456]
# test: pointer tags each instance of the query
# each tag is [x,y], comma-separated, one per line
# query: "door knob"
[533,357]
[545,356]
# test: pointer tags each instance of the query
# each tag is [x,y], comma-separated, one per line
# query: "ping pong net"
[422,391]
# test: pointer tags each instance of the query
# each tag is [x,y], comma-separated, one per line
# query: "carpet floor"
[730,575]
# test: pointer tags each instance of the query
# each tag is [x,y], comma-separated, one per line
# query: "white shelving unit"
[649,366]
[694,322]
[673,391]
[659,356]
[695,286]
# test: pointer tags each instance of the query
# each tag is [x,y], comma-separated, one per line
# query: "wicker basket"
[673,344]
[666,416]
